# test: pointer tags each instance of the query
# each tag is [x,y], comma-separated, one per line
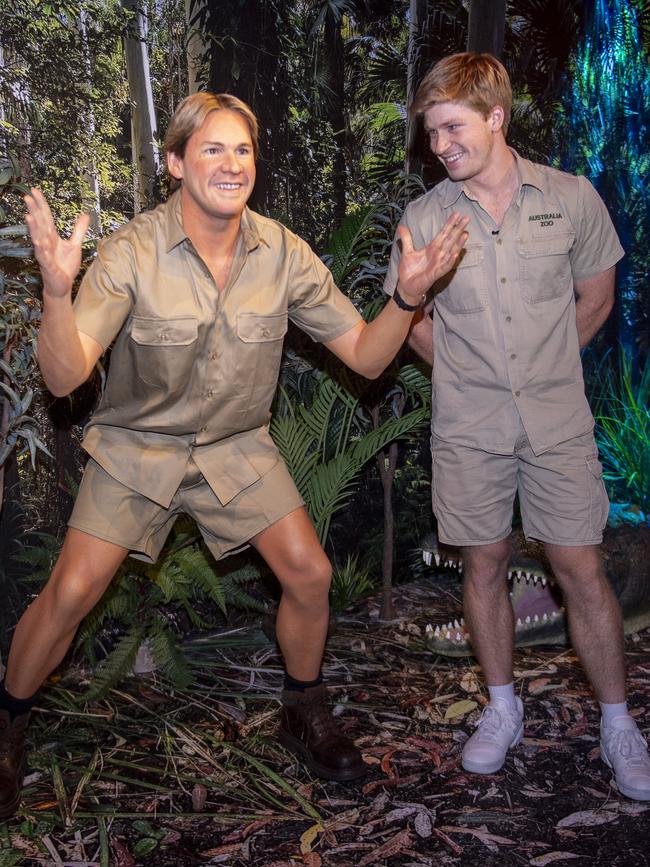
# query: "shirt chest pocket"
[545,267]
[464,290]
[259,348]
[164,350]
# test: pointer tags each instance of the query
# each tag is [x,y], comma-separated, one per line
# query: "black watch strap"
[404,305]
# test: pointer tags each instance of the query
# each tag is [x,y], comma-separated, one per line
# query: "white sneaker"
[499,728]
[624,749]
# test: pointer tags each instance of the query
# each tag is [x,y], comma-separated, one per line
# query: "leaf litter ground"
[150,776]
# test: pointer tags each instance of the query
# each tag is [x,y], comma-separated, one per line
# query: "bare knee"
[486,566]
[307,576]
[72,592]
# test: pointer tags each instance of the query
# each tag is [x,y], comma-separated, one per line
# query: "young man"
[195,298]
[534,284]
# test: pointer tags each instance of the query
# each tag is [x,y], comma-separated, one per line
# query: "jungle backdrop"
[87,88]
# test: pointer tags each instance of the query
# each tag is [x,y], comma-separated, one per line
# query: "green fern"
[117,664]
[167,654]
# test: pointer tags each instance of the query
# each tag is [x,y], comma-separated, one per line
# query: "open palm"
[419,269]
[59,259]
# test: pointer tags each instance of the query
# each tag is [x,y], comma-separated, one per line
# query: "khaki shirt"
[504,321]
[193,371]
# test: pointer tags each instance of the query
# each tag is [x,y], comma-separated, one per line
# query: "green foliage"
[349,583]
[19,320]
[622,412]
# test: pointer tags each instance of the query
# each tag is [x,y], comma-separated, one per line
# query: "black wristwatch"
[403,305]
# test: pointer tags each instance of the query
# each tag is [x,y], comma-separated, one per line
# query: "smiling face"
[468,144]
[217,168]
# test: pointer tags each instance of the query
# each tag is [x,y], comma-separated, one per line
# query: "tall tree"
[487,26]
[146,154]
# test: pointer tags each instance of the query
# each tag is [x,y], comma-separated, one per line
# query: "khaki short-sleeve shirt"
[504,322]
[193,371]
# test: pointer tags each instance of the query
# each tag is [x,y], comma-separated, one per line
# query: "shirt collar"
[530,175]
[252,227]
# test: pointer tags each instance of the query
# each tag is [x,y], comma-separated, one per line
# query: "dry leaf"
[550,857]
[391,847]
[469,682]
[460,708]
[199,797]
[312,859]
[423,825]
[587,818]
[308,838]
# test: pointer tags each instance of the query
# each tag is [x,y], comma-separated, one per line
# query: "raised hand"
[59,259]
[419,269]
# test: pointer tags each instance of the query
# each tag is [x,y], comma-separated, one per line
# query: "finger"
[405,238]
[80,229]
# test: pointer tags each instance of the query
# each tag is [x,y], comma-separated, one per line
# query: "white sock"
[505,691]
[611,711]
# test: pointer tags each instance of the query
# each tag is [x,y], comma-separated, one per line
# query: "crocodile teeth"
[436,631]
[536,619]
[543,580]
[462,620]
[456,624]
[436,557]
[544,617]
[426,556]
[519,623]
[428,629]
[528,618]
[511,574]
[554,613]
[459,637]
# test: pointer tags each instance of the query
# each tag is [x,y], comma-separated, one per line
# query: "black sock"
[294,685]
[15,706]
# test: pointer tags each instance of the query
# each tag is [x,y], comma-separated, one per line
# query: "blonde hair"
[194,109]
[478,81]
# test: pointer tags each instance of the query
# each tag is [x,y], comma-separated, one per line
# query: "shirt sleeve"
[317,305]
[105,297]
[597,246]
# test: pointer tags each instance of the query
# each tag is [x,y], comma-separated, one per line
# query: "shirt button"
[499,241]
[209,394]
[517,393]
[213,357]
[508,318]
[513,356]
[266,332]
[503,279]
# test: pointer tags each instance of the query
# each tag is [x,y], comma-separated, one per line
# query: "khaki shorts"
[562,497]
[110,511]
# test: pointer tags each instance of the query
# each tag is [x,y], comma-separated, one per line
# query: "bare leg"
[487,609]
[294,553]
[594,616]
[80,576]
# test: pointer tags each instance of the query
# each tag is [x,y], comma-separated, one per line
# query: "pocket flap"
[471,254]
[547,245]
[253,328]
[164,332]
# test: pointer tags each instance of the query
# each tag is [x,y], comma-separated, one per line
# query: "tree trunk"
[487,26]
[336,112]
[417,35]
[90,169]
[196,46]
[146,156]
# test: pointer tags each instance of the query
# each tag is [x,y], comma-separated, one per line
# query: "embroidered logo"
[544,219]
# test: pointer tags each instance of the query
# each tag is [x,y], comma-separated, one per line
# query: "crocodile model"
[536,598]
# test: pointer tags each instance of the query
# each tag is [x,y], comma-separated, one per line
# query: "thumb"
[404,236]
[80,229]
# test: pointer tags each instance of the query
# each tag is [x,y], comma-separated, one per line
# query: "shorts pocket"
[598,499]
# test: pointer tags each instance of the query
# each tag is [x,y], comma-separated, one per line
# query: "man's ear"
[496,118]
[175,165]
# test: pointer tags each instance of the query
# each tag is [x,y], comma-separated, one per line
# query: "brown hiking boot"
[12,761]
[307,728]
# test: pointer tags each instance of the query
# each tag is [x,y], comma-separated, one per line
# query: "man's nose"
[231,162]
[439,144]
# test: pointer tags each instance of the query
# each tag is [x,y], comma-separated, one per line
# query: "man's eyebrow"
[223,144]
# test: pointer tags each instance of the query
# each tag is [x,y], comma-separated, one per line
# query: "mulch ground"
[153,777]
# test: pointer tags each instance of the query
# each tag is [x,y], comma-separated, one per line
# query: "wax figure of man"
[533,285]
[195,298]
